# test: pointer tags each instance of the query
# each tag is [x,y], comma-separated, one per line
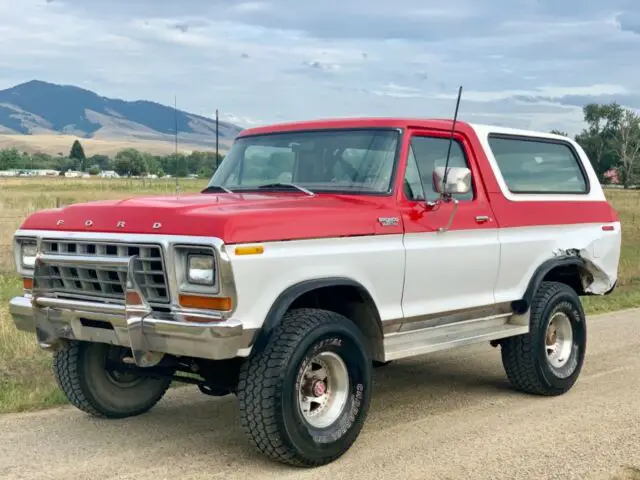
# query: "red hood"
[233,218]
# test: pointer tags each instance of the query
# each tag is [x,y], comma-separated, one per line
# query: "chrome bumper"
[204,336]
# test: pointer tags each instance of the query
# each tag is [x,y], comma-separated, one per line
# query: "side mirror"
[458,180]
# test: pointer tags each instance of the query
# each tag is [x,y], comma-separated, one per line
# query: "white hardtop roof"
[484,129]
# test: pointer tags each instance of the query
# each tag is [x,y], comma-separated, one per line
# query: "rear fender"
[593,279]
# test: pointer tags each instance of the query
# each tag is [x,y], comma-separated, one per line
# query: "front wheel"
[84,374]
[548,360]
[304,398]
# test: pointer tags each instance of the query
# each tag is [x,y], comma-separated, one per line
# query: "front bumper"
[203,336]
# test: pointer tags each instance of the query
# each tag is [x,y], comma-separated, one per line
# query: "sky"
[522,63]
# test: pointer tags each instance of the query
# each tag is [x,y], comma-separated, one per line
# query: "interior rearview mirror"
[458,180]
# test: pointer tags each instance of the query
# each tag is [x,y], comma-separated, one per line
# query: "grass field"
[26,381]
[53,144]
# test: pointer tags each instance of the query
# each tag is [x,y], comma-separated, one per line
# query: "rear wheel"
[548,360]
[304,397]
[85,374]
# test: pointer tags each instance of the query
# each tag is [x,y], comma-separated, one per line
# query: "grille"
[107,283]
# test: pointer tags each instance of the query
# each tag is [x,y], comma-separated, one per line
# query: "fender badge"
[88,223]
[157,225]
[60,222]
[388,221]
[120,224]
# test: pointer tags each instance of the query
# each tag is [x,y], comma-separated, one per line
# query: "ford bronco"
[318,251]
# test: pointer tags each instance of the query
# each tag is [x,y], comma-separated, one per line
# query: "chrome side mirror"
[458,180]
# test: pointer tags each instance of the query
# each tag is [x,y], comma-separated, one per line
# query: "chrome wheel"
[559,340]
[324,390]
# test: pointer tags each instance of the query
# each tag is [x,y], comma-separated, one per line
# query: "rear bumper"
[203,336]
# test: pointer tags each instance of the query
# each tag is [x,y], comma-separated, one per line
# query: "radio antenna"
[451,138]
[175,111]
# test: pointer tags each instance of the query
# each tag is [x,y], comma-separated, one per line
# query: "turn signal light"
[254,250]
[206,303]
[133,298]
[27,283]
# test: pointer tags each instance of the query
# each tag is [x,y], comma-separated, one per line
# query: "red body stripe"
[527,214]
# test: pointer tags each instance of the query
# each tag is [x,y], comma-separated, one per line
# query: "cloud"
[525,63]
[629,22]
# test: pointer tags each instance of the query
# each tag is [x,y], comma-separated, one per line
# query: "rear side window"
[538,165]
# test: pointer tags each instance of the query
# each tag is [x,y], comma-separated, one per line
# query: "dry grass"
[54,144]
[22,196]
[26,381]
[629,473]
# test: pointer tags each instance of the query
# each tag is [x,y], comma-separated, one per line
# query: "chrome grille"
[100,281]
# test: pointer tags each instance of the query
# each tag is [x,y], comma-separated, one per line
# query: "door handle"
[482,218]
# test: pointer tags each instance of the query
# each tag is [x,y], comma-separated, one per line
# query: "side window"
[425,154]
[538,165]
[412,183]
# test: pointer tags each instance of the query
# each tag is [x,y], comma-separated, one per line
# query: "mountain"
[38,107]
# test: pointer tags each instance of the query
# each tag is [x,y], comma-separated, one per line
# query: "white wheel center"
[559,340]
[324,390]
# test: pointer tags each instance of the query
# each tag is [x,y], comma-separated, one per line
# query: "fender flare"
[522,306]
[295,291]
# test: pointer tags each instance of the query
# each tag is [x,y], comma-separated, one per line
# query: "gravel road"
[449,415]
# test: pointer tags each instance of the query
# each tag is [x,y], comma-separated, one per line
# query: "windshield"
[332,160]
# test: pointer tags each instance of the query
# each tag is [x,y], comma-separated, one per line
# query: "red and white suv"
[317,250]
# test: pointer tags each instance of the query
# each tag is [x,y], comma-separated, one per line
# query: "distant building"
[46,173]
[108,174]
[76,174]
[29,173]
[611,176]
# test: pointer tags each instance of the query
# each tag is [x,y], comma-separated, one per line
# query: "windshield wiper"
[216,188]
[286,185]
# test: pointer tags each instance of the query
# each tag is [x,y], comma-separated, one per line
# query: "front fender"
[284,301]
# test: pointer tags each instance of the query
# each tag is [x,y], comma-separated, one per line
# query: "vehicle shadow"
[403,391]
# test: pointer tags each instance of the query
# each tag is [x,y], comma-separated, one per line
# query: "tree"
[102,161]
[153,164]
[77,154]
[559,132]
[9,159]
[597,139]
[94,170]
[627,146]
[130,162]
[176,165]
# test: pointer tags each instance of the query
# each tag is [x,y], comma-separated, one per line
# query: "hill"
[35,112]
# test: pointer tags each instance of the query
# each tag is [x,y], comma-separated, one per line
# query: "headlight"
[28,252]
[200,269]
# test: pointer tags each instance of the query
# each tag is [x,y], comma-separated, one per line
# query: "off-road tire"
[80,374]
[378,364]
[524,357]
[270,413]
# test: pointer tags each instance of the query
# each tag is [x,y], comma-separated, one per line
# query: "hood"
[234,218]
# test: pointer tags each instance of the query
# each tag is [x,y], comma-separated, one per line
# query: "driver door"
[455,269]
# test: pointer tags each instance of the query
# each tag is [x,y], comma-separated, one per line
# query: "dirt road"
[450,415]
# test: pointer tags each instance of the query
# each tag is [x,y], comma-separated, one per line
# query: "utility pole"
[216,139]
